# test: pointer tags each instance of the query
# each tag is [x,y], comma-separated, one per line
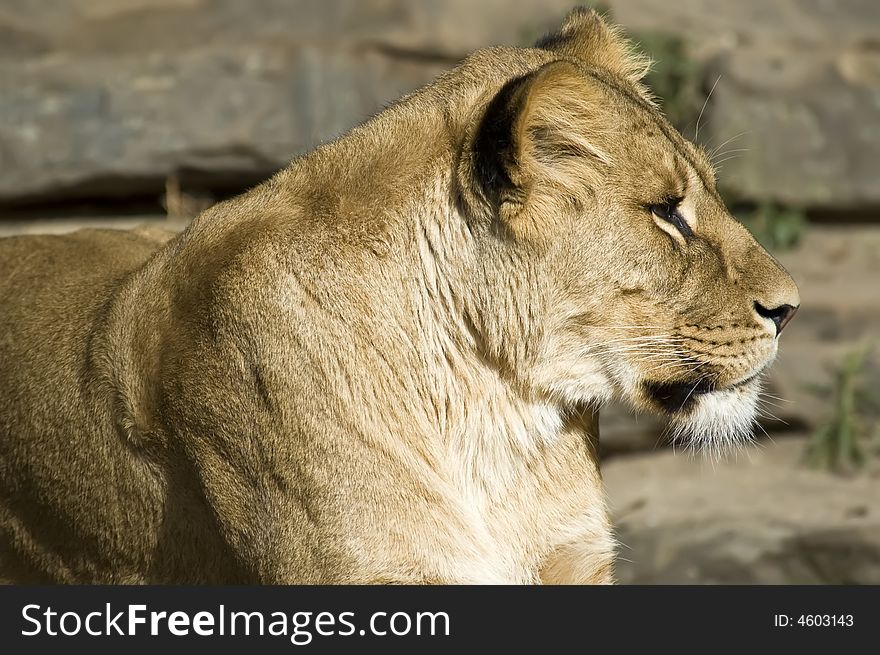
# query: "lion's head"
[624,272]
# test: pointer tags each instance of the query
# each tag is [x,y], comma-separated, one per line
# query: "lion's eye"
[668,211]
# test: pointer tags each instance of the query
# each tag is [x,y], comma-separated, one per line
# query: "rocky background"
[119,112]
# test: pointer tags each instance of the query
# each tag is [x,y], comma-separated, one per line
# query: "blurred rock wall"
[111,97]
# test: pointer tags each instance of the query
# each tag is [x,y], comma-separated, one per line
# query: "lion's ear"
[535,142]
[586,36]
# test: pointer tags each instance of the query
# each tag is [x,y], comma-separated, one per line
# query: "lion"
[385,363]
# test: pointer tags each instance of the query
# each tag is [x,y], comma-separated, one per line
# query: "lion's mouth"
[674,397]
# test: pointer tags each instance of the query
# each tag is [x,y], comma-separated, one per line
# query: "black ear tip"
[556,39]
[549,41]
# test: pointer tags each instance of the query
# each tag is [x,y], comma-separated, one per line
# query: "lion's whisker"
[703,108]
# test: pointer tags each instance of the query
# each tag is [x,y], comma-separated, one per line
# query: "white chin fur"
[718,422]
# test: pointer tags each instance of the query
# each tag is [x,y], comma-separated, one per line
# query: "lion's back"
[53,289]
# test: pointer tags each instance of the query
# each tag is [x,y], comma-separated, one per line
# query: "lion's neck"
[481,424]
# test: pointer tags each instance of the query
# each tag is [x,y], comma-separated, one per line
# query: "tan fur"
[379,365]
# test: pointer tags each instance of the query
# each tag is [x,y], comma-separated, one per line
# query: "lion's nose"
[780,315]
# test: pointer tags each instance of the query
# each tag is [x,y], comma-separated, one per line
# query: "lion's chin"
[716,422]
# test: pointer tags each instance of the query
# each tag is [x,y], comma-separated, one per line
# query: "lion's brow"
[675,139]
